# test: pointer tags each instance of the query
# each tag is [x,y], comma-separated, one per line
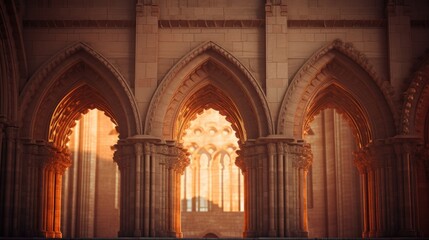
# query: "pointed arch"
[209,69]
[9,68]
[339,76]
[415,111]
[76,79]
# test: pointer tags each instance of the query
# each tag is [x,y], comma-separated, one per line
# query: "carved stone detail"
[171,75]
[416,99]
[206,23]
[303,157]
[37,83]
[301,79]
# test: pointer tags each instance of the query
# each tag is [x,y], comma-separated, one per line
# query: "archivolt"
[209,65]
[355,83]
[56,94]
[415,112]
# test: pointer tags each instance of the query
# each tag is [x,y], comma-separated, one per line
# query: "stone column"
[10,174]
[138,209]
[272,176]
[388,186]
[302,162]
[150,186]
[360,162]
[272,205]
[55,163]
[407,164]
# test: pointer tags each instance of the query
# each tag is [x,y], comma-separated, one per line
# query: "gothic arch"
[415,112]
[197,82]
[339,76]
[71,82]
[9,70]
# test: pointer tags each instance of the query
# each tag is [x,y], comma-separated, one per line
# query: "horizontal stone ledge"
[222,23]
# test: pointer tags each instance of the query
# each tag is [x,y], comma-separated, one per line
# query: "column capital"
[11,132]
[303,156]
[55,159]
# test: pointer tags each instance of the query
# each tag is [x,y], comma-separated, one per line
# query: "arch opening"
[334,96]
[212,187]
[90,187]
[333,187]
[74,81]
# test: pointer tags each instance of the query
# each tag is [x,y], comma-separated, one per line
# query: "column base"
[172,234]
[137,233]
[49,234]
[303,234]
[248,234]
[407,233]
[372,234]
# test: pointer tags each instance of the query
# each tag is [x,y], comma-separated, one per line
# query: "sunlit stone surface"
[212,199]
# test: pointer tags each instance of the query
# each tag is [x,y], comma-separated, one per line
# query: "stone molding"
[205,23]
[340,23]
[39,96]
[310,68]
[385,153]
[172,75]
[416,99]
[52,23]
[47,156]
[214,23]
[172,155]
[303,156]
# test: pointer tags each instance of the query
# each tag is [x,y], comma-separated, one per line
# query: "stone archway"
[10,74]
[415,126]
[210,77]
[64,88]
[339,77]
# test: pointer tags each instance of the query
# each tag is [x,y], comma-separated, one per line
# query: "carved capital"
[122,155]
[280,148]
[362,161]
[303,157]
[138,149]
[239,162]
[147,148]
[57,161]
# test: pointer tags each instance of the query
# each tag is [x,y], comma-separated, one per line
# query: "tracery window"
[212,182]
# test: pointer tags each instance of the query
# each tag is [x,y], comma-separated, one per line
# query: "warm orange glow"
[212,182]
[91,184]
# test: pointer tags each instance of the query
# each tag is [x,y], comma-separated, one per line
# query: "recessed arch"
[333,96]
[73,81]
[209,69]
[342,78]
